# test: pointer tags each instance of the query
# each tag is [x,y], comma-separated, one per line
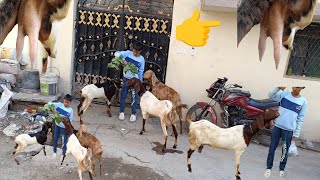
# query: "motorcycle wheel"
[195,110]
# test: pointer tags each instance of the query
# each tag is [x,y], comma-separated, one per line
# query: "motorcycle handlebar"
[236,85]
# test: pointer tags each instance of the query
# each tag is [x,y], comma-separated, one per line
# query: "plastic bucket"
[49,84]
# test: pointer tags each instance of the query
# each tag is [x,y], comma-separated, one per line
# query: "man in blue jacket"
[288,125]
[137,59]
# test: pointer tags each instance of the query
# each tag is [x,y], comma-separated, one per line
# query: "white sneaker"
[281,173]
[133,118]
[121,116]
[54,155]
[267,173]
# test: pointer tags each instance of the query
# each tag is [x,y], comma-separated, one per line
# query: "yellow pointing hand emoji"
[193,32]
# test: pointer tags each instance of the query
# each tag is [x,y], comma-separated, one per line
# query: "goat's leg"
[100,166]
[200,149]
[87,104]
[80,175]
[109,107]
[19,44]
[108,110]
[143,124]
[262,40]
[238,155]
[33,45]
[175,136]
[44,150]
[145,117]
[277,26]
[189,162]
[164,129]
[179,112]
[90,175]
[64,156]
[93,168]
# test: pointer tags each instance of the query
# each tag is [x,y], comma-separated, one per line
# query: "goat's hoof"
[13,152]
[175,146]
[239,172]
[163,150]
[141,133]
[189,168]
[238,177]
[110,115]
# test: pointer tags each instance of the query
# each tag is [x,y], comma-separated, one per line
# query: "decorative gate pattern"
[104,26]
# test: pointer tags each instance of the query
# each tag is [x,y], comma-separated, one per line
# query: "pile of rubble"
[22,122]
[27,121]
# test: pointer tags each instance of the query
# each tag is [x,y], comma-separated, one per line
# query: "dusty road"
[128,155]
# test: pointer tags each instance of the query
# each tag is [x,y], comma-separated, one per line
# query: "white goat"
[89,92]
[150,105]
[82,155]
[235,138]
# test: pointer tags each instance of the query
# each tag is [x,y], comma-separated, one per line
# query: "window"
[304,59]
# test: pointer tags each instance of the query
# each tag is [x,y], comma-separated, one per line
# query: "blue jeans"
[286,137]
[59,131]
[124,93]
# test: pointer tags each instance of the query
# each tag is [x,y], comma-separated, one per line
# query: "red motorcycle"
[238,108]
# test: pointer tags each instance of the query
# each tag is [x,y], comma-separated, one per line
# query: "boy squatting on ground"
[287,125]
[64,110]
[137,59]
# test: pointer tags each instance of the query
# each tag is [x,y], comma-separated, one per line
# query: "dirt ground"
[45,167]
[128,155]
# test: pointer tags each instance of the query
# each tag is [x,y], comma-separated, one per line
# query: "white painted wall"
[191,75]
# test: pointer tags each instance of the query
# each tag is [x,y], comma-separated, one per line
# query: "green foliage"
[50,108]
[116,62]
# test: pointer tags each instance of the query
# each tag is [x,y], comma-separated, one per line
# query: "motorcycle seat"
[263,104]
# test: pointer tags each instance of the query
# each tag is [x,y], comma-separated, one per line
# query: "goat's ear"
[154,79]
[260,121]
[137,87]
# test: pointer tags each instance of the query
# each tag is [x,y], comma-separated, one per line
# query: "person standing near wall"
[288,125]
[138,60]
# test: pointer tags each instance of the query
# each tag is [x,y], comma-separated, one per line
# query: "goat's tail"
[82,129]
[182,106]
[189,118]
[9,10]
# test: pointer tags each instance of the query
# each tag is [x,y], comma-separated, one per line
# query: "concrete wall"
[191,74]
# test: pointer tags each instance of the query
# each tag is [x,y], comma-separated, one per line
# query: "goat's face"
[47,127]
[67,124]
[135,83]
[151,76]
[265,118]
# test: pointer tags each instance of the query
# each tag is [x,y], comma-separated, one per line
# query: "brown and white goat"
[164,92]
[161,108]
[90,141]
[35,19]
[104,90]
[82,155]
[235,138]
